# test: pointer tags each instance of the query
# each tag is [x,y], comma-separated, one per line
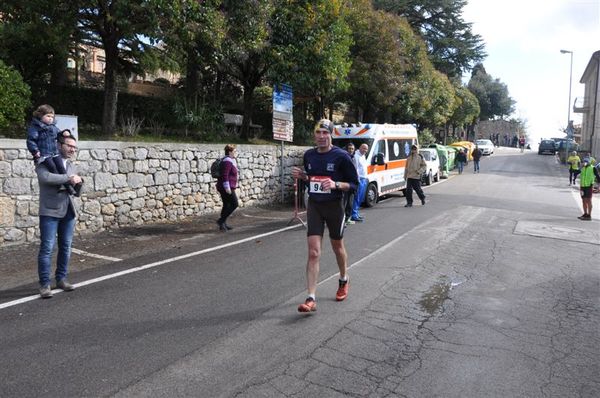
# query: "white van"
[389,146]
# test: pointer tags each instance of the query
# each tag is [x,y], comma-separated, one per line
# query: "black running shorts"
[320,213]
[586,192]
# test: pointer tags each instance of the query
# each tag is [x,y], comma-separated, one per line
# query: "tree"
[491,94]
[451,44]
[14,97]
[126,30]
[50,33]
[378,60]
[317,66]
[193,34]
[466,112]
[247,53]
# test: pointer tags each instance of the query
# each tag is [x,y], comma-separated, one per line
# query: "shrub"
[14,97]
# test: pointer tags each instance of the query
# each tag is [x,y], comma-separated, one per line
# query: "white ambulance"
[389,146]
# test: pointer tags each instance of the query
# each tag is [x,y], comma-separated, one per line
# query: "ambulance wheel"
[372,196]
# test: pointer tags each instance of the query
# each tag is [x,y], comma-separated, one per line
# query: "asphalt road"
[491,289]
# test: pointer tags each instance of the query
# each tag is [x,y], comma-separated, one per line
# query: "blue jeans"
[460,167]
[475,166]
[50,228]
[358,198]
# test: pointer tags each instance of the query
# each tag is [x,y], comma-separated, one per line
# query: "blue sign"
[283,98]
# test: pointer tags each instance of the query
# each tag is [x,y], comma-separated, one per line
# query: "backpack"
[215,168]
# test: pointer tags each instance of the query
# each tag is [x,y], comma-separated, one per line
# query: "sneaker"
[408,205]
[423,202]
[342,291]
[310,305]
[587,217]
[222,226]
[227,227]
[355,219]
[350,222]
[65,285]
[45,292]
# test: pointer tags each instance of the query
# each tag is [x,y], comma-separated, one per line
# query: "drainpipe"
[595,107]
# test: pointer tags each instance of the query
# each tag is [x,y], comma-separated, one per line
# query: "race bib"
[316,185]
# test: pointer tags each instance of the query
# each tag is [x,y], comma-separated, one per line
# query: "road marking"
[151,265]
[88,254]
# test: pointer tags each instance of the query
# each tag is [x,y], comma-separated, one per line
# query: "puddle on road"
[434,298]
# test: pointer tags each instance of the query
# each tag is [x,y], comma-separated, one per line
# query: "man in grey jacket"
[415,167]
[57,218]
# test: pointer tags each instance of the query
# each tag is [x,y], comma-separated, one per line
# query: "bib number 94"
[316,185]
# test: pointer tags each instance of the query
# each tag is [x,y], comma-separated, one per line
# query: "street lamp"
[569,128]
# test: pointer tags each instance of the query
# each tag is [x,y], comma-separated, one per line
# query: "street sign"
[283,116]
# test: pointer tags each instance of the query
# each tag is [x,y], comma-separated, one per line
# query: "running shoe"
[309,305]
[342,291]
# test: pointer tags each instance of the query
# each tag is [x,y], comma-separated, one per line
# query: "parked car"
[547,146]
[486,146]
[432,173]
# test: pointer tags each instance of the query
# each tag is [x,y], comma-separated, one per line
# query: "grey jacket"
[54,201]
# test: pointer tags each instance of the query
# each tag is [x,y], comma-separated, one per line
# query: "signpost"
[283,121]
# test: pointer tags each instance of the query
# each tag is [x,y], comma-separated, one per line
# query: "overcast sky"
[523,39]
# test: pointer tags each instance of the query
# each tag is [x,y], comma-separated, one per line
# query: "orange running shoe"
[309,305]
[342,291]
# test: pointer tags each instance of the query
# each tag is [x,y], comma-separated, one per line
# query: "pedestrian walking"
[349,195]
[226,186]
[477,154]
[574,163]
[461,160]
[329,172]
[522,143]
[415,167]
[57,214]
[42,142]
[360,161]
[586,182]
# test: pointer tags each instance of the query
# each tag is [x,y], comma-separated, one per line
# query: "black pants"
[573,175]
[413,183]
[348,201]
[230,203]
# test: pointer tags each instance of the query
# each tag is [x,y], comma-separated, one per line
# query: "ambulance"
[389,146]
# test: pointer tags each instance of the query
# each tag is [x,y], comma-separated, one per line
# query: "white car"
[486,146]
[430,156]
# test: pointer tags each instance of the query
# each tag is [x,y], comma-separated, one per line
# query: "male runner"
[329,172]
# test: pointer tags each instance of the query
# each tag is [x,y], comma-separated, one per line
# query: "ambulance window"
[399,149]
[380,148]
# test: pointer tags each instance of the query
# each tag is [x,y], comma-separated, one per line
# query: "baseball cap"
[325,124]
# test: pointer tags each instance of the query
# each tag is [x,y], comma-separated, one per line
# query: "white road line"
[151,265]
[88,254]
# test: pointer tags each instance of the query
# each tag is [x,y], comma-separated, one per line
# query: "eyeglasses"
[74,147]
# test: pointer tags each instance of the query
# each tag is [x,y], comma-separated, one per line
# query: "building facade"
[589,107]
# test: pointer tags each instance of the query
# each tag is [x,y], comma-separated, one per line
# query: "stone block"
[119,180]
[125,166]
[114,155]
[18,186]
[92,207]
[14,235]
[99,154]
[136,180]
[5,169]
[103,181]
[141,153]
[23,168]
[7,211]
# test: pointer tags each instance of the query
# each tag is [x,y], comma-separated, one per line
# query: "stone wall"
[130,183]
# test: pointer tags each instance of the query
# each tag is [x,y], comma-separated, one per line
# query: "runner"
[329,172]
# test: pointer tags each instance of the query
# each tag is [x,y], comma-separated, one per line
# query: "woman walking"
[226,185]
